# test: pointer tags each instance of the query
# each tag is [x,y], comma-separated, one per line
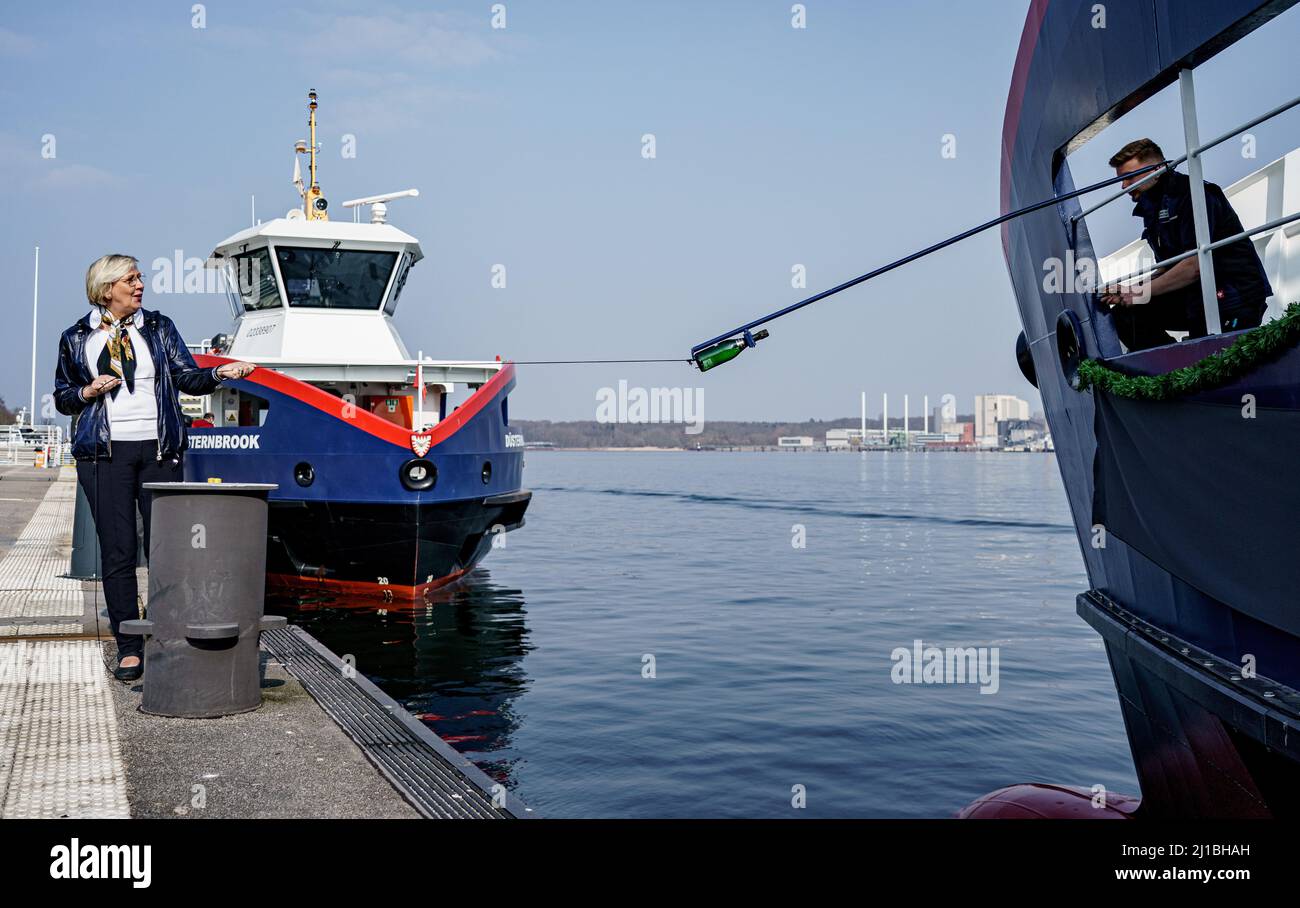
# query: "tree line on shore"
[713,433]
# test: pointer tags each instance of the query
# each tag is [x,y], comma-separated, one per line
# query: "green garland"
[1248,352]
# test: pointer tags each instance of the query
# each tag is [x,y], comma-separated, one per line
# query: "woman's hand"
[235,370]
[101,385]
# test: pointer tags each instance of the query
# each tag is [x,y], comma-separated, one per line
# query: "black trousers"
[1143,327]
[113,488]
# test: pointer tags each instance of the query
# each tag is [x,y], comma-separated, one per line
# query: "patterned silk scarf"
[117,357]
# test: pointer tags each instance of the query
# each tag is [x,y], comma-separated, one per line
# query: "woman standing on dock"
[119,375]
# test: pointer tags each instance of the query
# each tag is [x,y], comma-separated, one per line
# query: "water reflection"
[453,659]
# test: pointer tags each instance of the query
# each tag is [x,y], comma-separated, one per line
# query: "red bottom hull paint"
[352,590]
[1035,801]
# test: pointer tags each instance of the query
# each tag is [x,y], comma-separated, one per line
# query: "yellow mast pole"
[315,201]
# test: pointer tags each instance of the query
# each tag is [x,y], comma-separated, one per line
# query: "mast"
[313,201]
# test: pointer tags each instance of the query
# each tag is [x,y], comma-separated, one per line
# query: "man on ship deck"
[1171,299]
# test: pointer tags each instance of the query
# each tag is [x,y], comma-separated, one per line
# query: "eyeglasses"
[136,278]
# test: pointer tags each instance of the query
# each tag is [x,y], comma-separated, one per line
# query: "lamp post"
[36,283]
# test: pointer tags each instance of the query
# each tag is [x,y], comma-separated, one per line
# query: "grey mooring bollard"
[86,563]
[207,579]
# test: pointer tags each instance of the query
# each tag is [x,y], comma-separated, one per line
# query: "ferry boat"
[1194,583]
[385,486]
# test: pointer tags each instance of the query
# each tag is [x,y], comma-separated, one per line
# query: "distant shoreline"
[727,435]
[772,449]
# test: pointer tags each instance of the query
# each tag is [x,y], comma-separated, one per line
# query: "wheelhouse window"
[253,280]
[334,278]
[398,283]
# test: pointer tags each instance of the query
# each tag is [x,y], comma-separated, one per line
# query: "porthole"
[304,474]
[1025,360]
[487,472]
[1069,346]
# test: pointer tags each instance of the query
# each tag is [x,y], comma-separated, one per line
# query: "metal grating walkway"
[59,750]
[438,781]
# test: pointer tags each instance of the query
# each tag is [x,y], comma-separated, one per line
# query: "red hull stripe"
[362,419]
[1016,98]
[360,588]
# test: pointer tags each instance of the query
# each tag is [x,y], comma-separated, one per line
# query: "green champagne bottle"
[725,351]
[719,354]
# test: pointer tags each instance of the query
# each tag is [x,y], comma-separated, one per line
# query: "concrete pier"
[73,742]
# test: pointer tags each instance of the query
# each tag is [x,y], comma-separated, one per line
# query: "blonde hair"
[104,272]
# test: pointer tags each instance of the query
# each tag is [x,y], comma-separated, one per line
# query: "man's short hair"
[1142,149]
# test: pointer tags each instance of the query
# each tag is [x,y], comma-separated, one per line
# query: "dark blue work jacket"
[174,370]
[1166,212]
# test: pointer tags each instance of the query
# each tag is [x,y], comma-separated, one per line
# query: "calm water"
[772,662]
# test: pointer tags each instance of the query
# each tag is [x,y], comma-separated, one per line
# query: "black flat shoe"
[131,673]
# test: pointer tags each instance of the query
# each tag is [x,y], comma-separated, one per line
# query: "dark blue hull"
[389,550]
[345,515]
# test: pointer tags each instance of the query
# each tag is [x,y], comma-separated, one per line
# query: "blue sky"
[774,147]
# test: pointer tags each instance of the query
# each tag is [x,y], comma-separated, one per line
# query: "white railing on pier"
[30,445]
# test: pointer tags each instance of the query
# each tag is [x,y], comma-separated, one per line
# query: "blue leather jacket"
[174,369]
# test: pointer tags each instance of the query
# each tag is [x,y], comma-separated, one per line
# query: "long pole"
[925,403]
[419,393]
[863,442]
[884,415]
[942,244]
[36,293]
[907,423]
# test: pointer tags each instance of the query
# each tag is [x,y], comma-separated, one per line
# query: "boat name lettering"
[514,441]
[225,442]
[259,330]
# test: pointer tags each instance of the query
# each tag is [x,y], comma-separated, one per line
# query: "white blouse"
[131,416]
